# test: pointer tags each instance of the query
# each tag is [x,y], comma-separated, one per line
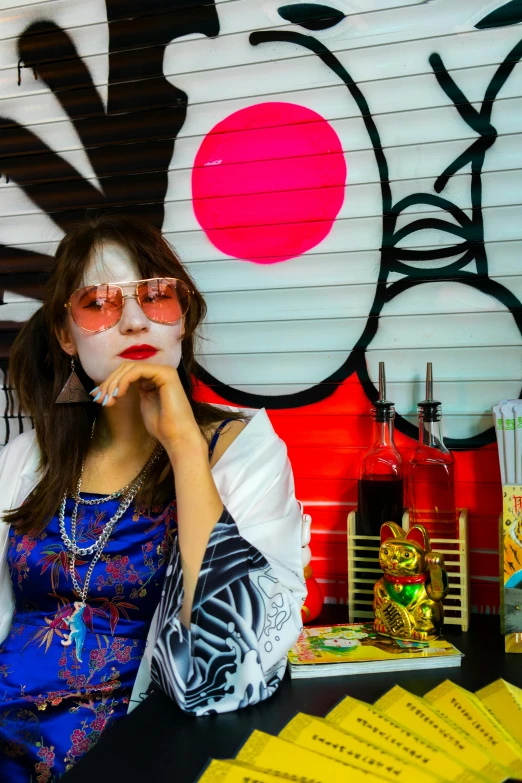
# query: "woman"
[146,534]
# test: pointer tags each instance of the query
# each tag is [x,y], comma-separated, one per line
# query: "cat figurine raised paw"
[407,600]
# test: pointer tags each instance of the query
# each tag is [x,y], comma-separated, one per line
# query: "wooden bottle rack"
[364,571]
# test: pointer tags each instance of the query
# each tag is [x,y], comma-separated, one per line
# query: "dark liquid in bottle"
[380,500]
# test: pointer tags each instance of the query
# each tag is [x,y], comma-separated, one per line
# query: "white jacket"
[255,482]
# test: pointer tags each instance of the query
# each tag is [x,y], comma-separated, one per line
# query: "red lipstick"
[137,352]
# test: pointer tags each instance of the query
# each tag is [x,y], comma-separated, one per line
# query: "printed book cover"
[331,650]
[511,567]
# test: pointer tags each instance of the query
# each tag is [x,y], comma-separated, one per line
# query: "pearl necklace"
[75,620]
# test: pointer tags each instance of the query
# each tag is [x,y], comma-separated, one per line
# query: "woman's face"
[99,352]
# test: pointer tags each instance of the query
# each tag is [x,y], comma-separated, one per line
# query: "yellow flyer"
[234,772]
[374,726]
[416,714]
[325,738]
[468,712]
[279,757]
[505,702]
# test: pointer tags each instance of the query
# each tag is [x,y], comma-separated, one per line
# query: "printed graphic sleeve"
[246,611]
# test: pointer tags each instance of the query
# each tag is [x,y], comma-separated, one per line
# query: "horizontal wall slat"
[217,95]
[344,301]
[328,303]
[329,334]
[347,233]
[352,234]
[502,188]
[321,269]
[335,266]
[229,52]
[425,126]
[410,165]
[77,16]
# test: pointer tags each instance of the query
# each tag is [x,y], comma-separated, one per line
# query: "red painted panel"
[485,597]
[483,564]
[325,442]
[329,557]
[336,462]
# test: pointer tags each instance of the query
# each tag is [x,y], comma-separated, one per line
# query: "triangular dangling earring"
[73,391]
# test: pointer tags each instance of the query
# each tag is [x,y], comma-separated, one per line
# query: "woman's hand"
[165,409]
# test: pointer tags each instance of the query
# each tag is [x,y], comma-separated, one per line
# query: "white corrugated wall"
[404,89]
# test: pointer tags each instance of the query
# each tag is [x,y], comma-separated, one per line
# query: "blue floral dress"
[53,707]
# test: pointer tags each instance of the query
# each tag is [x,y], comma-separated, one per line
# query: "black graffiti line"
[508,14]
[392,257]
[426,223]
[471,231]
[499,78]
[311,16]
[480,122]
[123,100]
[327,386]
[355,360]
[415,254]
[70,81]
[435,201]
[482,284]
[467,111]
[332,62]
[428,275]
[474,155]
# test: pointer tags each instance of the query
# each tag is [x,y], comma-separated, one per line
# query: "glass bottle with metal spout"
[380,487]
[431,472]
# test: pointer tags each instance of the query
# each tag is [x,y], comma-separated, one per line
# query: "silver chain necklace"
[75,620]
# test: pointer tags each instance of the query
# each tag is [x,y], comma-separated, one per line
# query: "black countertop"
[157,742]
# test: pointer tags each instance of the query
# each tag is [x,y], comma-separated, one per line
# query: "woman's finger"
[111,385]
[102,392]
[118,382]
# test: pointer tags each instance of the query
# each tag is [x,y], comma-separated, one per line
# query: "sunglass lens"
[96,307]
[164,300]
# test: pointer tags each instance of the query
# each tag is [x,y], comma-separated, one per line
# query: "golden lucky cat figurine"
[407,600]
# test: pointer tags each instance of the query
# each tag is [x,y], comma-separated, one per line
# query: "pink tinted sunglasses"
[95,308]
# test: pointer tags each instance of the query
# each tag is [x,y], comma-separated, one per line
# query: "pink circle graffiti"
[268,182]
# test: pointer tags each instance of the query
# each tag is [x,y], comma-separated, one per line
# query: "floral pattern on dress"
[42,682]
[23,549]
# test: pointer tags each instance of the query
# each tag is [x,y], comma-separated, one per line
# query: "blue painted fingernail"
[93,390]
[115,392]
[105,400]
[97,396]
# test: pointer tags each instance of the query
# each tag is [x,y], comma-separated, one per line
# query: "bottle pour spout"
[429,409]
[384,409]
[382,382]
[429,381]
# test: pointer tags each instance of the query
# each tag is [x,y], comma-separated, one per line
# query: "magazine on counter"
[332,650]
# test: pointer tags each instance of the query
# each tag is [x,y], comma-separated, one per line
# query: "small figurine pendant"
[78,629]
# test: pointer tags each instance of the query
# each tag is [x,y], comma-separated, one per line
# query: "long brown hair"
[39,368]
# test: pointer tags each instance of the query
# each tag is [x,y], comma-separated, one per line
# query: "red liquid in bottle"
[380,487]
[432,494]
[380,501]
